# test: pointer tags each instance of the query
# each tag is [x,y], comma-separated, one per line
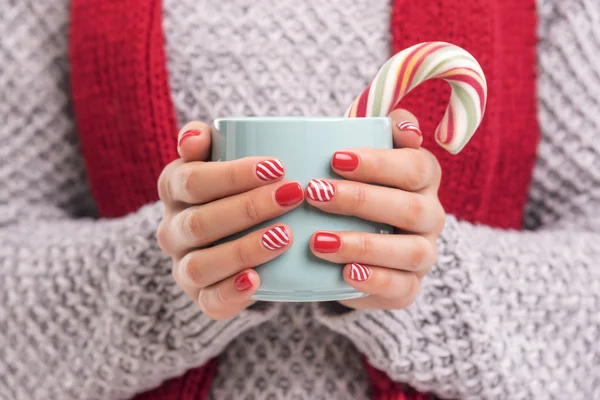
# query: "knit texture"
[504,315]
[272,58]
[88,309]
[507,314]
[124,112]
[290,357]
[40,160]
[566,184]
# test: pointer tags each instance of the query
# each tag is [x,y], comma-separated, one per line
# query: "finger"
[387,288]
[411,212]
[406,169]
[163,182]
[229,297]
[199,226]
[403,252]
[225,298]
[405,129]
[202,182]
[202,268]
[194,141]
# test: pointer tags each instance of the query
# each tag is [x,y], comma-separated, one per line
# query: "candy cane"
[414,65]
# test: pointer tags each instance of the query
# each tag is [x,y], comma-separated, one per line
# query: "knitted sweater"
[88,309]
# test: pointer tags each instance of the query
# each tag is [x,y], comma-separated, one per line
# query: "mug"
[305,145]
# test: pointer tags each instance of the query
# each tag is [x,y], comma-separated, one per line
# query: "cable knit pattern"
[566,182]
[40,161]
[291,357]
[272,57]
[99,294]
[89,309]
[503,315]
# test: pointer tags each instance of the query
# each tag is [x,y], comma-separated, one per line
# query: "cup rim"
[293,119]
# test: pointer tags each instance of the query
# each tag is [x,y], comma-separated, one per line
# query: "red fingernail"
[275,238]
[289,194]
[325,242]
[409,126]
[359,272]
[242,282]
[269,170]
[187,134]
[344,161]
[320,190]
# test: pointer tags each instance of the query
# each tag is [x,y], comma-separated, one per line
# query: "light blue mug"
[305,145]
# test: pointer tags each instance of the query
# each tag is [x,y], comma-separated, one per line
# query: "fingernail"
[269,170]
[344,161]
[289,194]
[242,282]
[359,272]
[187,134]
[409,126]
[275,238]
[325,242]
[320,190]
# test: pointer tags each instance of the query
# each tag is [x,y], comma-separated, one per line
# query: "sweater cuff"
[194,337]
[423,344]
[101,291]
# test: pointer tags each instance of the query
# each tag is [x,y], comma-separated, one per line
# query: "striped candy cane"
[431,60]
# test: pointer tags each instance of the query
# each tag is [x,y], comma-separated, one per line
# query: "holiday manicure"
[324,242]
[344,161]
[409,126]
[187,134]
[320,190]
[242,282]
[269,170]
[275,238]
[289,194]
[359,272]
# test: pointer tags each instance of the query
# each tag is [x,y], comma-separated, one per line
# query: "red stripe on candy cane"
[405,63]
[469,80]
[361,109]
[434,48]
[450,129]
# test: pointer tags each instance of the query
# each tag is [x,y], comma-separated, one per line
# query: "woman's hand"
[388,267]
[208,201]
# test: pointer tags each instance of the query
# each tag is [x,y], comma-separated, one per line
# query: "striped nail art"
[269,170]
[275,238]
[320,190]
[409,126]
[359,272]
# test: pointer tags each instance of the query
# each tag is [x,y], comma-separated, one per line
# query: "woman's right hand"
[208,201]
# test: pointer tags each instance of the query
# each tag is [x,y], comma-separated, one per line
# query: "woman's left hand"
[389,267]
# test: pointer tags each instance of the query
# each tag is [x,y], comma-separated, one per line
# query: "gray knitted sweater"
[88,309]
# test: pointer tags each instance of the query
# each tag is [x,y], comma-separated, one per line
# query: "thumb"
[194,141]
[405,128]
